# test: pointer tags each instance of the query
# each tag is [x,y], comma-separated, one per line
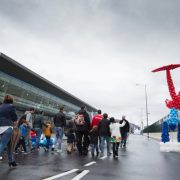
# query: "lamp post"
[146,98]
[141,121]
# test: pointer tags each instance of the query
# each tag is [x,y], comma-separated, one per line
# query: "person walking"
[70,141]
[115,135]
[96,118]
[124,131]
[95,121]
[29,120]
[104,133]
[94,140]
[60,123]
[23,129]
[47,133]
[82,123]
[8,118]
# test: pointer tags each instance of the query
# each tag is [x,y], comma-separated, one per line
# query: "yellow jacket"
[47,130]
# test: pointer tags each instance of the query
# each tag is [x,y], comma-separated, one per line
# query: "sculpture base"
[170,147]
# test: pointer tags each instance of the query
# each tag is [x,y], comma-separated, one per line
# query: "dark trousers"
[115,148]
[22,142]
[82,141]
[124,138]
[47,142]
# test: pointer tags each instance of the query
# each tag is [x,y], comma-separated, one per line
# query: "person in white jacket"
[115,135]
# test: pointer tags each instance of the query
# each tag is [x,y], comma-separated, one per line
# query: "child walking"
[94,140]
[23,131]
[47,133]
[115,135]
[70,141]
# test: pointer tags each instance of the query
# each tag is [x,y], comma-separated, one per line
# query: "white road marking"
[103,157]
[62,174]
[89,164]
[81,175]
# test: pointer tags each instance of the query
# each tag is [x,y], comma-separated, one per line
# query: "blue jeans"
[47,141]
[38,136]
[93,148]
[5,141]
[59,136]
[102,144]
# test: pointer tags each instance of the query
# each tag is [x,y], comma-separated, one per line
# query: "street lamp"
[141,121]
[146,107]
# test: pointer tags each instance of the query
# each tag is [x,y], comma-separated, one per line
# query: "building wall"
[26,96]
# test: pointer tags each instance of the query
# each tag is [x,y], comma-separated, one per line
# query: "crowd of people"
[81,132]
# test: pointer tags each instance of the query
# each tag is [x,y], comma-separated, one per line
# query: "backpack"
[79,120]
[21,119]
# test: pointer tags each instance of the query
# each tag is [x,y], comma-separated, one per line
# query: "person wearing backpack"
[60,123]
[82,122]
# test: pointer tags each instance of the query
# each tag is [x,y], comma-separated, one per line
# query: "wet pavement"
[142,160]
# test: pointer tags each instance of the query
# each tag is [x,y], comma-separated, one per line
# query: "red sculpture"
[175,103]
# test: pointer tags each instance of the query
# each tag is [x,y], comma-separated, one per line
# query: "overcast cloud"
[98,49]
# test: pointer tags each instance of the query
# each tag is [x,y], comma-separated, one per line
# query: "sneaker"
[16,152]
[1,158]
[115,157]
[32,149]
[59,150]
[109,154]
[25,153]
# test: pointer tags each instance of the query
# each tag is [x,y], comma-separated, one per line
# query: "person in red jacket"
[96,119]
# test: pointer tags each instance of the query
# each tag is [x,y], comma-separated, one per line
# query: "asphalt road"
[142,160]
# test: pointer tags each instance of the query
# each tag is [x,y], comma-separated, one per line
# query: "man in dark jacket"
[82,132]
[124,131]
[60,123]
[104,133]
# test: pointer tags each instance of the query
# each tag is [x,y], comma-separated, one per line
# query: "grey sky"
[98,49]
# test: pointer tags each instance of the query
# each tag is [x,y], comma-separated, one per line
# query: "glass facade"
[26,95]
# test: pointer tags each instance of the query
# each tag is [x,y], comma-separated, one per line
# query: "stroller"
[43,142]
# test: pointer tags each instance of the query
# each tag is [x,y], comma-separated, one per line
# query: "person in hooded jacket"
[115,135]
[82,132]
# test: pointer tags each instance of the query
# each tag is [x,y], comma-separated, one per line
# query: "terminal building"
[31,90]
